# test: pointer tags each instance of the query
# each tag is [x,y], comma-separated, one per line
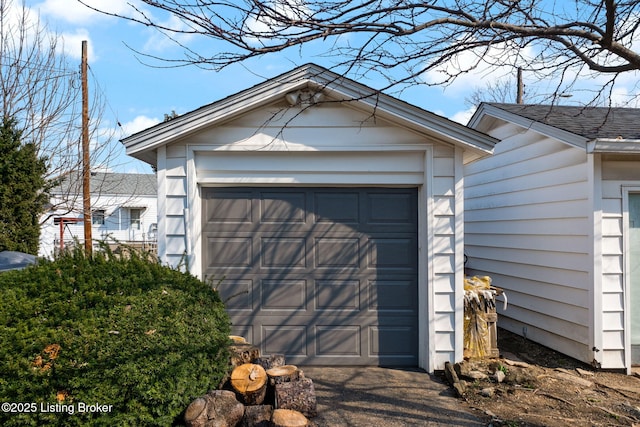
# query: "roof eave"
[486,110]
[614,146]
[143,145]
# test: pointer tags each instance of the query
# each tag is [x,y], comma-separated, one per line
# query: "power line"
[106,99]
[28,65]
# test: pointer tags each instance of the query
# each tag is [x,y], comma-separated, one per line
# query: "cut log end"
[195,409]
[248,378]
[288,418]
[282,374]
[250,381]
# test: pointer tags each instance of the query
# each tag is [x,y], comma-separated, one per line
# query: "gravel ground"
[373,396]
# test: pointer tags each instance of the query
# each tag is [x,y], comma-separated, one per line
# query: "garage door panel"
[337,252]
[245,331]
[236,293]
[230,251]
[336,294]
[324,275]
[283,252]
[230,207]
[395,253]
[392,341]
[338,340]
[392,295]
[391,208]
[283,295]
[282,208]
[288,340]
[332,207]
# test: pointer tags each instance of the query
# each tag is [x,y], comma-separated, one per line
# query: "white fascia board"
[615,146]
[140,144]
[410,116]
[226,108]
[486,110]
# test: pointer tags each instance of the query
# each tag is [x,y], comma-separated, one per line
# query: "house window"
[97,217]
[135,218]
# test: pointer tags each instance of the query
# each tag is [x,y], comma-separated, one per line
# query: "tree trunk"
[218,408]
[251,382]
[257,416]
[298,395]
[288,418]
[273,361]
[243,353]
[283,374]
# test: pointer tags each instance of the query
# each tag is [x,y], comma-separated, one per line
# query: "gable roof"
[143,145]
[604,129]
[108,183]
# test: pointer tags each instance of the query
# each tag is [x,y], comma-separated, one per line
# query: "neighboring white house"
[554,218]
[332,214]
[123,208]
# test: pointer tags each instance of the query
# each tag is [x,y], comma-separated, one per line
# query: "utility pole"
[520,94]
[86,166]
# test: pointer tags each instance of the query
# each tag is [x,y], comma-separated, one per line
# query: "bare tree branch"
[40,89]
[545,37]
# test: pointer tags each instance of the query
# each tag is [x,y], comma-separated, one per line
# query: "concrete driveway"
[373,396]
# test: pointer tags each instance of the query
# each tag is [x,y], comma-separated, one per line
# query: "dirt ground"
[544,388]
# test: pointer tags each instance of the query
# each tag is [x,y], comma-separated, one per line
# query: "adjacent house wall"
[618,177]
[529,225]
[117,224]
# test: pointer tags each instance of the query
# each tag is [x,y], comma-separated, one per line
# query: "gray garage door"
[322,275]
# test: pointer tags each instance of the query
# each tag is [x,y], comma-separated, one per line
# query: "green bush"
[130,333]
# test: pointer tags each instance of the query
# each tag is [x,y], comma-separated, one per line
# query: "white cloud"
[71,45]
[138,124]
[76,13]
[159,42]
[463,117]
[473,71]
[268,25]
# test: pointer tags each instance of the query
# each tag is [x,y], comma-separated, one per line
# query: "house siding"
[263,148]
[447,285]
[527,225]
[616,175]
[117,219]
[172,194]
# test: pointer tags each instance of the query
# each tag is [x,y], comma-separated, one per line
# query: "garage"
[330,214]
[323,275]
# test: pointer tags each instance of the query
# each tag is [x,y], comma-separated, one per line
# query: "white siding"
[174,232]
[117,220]
[615,176]
[329,145]
[528,225]
[446,292]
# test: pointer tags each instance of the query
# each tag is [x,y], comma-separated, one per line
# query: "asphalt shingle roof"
[589,122]
[110,183]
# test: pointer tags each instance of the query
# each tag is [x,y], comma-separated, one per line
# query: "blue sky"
[138,96]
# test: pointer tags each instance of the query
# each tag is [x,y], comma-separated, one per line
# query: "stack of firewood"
[260,391]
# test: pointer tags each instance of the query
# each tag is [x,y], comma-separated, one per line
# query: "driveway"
[373,396]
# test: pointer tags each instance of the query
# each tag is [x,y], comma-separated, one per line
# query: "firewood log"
[283,374]
[216,408]
[250,381]
[272,361]
[288,418]
[257,416]
[298,395]
[243,353]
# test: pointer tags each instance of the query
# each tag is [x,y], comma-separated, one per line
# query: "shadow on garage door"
[323,275]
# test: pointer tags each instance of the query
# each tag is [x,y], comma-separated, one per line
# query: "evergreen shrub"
[121,331]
